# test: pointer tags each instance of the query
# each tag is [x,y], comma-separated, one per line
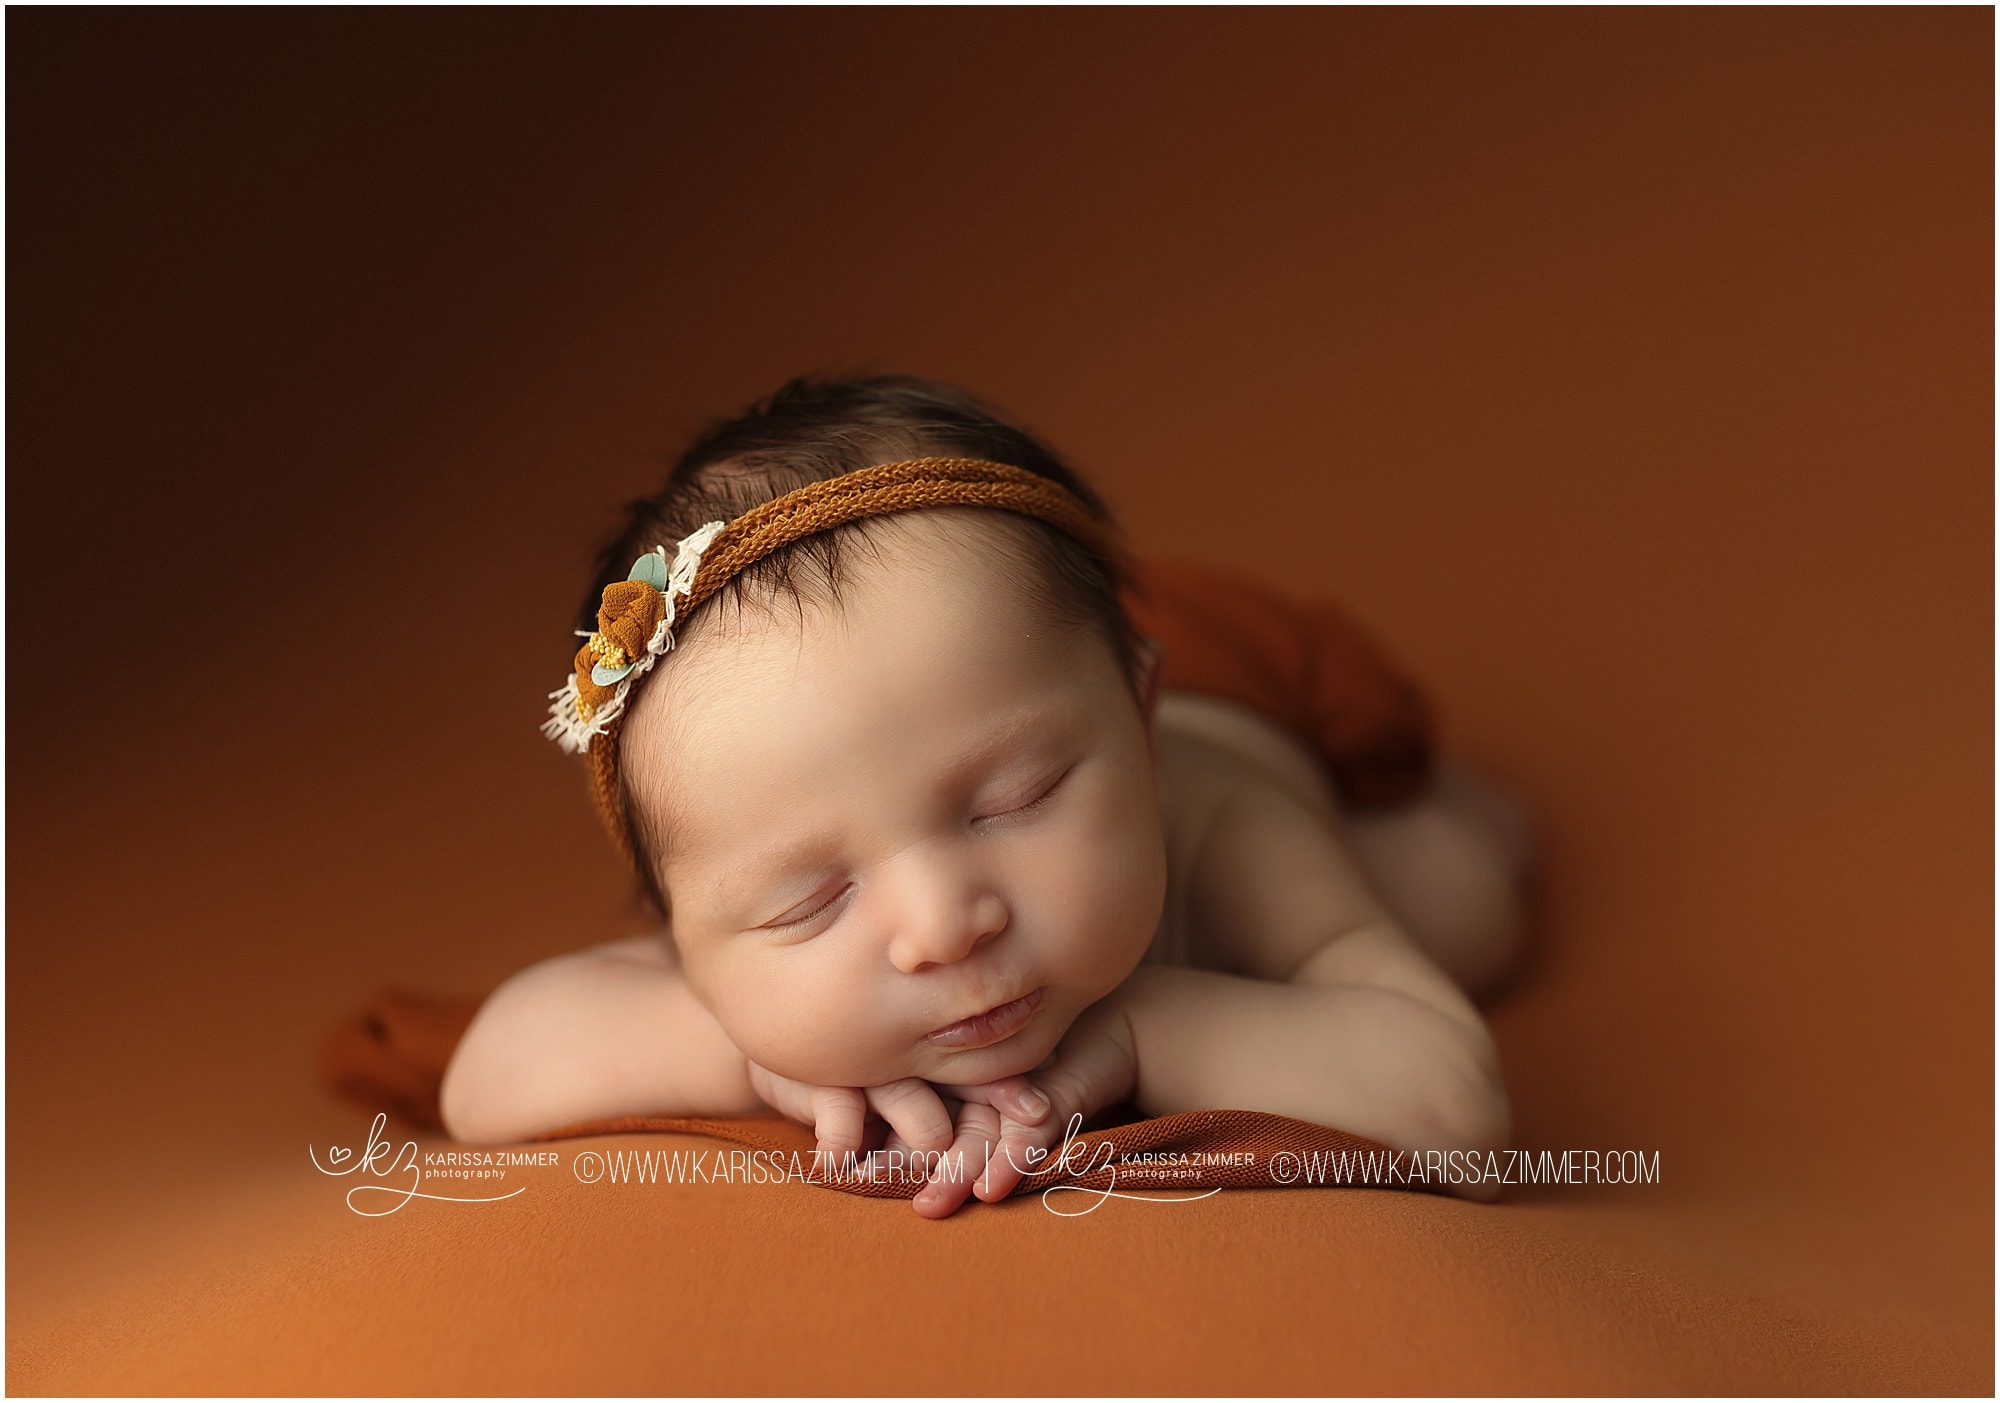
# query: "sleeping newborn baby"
[941,868]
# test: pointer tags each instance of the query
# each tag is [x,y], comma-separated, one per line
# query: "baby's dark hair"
[813,429]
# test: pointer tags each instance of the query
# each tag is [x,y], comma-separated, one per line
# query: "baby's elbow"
[1465,1106]
[482,1106]
[479,1097]
[463,1108]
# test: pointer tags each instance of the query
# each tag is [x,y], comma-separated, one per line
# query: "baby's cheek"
[1115,894]
[792,1027]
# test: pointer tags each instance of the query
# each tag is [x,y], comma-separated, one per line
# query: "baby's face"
[889,822]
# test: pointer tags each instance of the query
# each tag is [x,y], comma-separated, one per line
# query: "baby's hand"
[1003,1133]
[917,1117]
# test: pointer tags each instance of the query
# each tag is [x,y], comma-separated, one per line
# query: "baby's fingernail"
[1034,1103]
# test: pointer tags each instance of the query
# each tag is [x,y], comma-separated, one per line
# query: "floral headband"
[635,626]
[636,617]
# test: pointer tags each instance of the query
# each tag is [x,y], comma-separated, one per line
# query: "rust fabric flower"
[589,696]
[634,627]
[626,621]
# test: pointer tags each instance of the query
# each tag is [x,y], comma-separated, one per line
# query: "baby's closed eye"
[812,910]
[1039,798]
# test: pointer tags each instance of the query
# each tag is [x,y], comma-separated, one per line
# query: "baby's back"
[1210,751]
[1451,867]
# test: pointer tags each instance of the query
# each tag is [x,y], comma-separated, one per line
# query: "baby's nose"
[942,929]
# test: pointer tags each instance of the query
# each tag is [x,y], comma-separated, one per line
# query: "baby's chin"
[1020,1054]
[1013,1056]
[983,1065]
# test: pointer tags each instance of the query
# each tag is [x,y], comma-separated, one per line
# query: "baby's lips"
[994,1025]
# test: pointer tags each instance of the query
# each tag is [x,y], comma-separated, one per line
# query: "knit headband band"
[635,620]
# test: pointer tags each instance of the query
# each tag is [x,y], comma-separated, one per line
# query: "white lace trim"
[571,731]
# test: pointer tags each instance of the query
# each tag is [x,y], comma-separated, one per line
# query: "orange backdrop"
[1629,371]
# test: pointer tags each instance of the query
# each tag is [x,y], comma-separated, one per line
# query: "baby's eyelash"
[1036,803]
[813,914]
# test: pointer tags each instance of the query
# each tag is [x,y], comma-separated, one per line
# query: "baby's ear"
[1151,660]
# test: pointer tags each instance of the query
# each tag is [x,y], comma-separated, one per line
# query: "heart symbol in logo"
[338,1155]
[1037,1153]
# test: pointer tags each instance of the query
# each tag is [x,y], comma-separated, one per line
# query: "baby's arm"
[1365,1058]
[1336,1017]
[612,1030]
[1361,1057]
[1341,1019]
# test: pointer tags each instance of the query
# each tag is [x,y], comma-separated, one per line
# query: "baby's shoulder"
[1213,747]
[1259,874]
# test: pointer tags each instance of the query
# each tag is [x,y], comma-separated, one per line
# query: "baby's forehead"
[940,557]
[929,647]
[945,541]
[937,651]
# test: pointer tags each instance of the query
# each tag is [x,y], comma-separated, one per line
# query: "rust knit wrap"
[821,506]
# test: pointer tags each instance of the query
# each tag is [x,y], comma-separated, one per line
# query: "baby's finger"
[892,1159]
[978,1130]
[1018,1151]
[786,1097]
[913,1109]
[892,1150]
[1016,1097]
[837,1113]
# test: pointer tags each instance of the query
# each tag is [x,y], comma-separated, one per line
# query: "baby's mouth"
[997,1024]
